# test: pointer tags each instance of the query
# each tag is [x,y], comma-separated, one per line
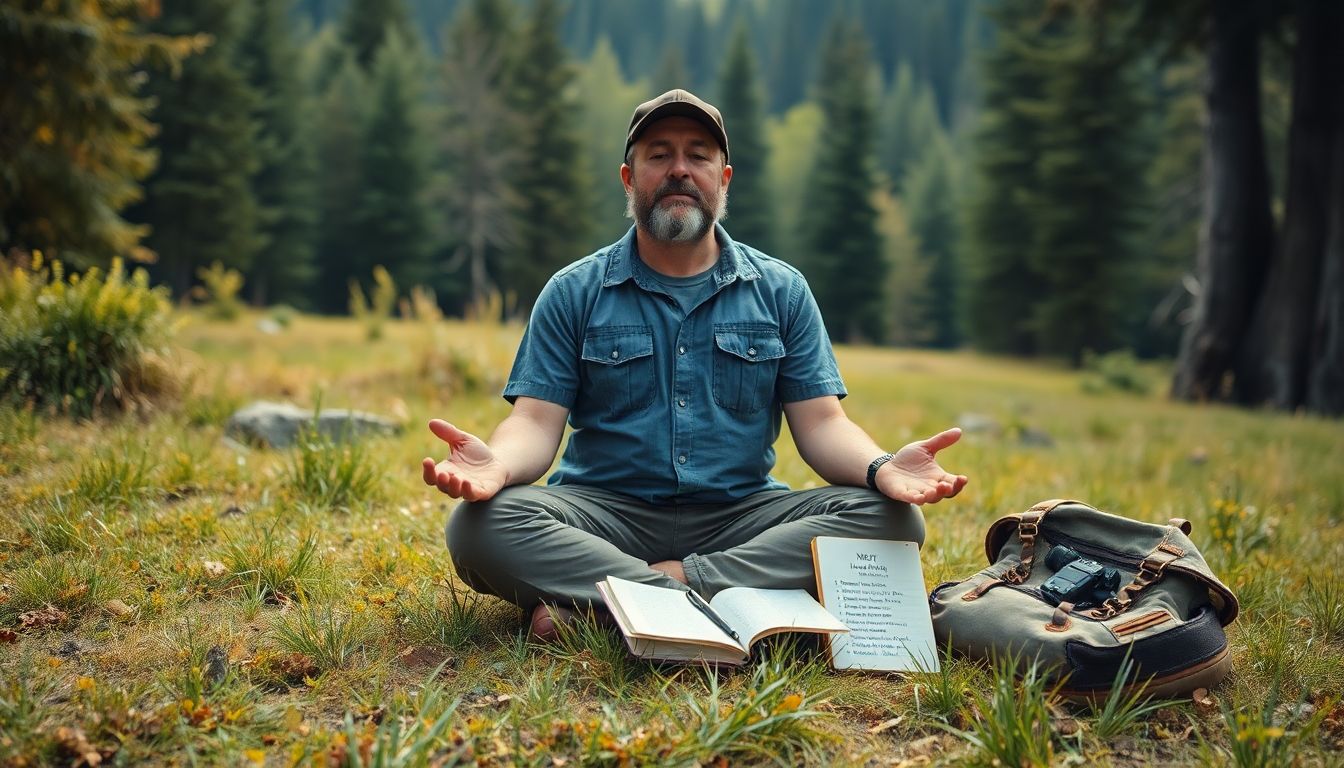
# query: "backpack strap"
[1151,569]
[1028,528]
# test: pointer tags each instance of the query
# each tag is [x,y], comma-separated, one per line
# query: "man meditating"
[673,354]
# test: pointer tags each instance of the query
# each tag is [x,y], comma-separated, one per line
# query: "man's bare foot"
[671,568]
[545,618]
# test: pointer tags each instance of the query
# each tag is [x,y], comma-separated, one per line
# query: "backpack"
[1152,600]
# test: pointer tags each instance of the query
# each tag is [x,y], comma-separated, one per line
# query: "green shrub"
[1117,371]
[384,299]
[219,289]
[74,343]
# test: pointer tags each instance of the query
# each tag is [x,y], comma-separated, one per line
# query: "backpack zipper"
[1108,556]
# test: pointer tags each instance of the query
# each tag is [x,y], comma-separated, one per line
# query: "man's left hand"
[913,474]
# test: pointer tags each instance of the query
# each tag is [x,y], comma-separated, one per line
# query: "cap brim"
[679,109]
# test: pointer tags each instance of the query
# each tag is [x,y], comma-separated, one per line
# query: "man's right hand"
[471,471]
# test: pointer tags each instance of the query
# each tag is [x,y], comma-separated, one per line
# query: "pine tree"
[283,182]
[392,221]
[341,115]
[608,99]
[671,72]
[906,293]
[929,196]
[844,261]
[551,179]
[1086,203]
[909,124]
[364,27]
[199,203]
[479,148]
[740,101]
[74,129]
[1003,284]
[1061,179]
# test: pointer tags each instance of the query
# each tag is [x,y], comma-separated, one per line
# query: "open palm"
[913,474]
[471,471]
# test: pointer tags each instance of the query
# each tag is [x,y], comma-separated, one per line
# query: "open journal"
[662,623]
[876,588]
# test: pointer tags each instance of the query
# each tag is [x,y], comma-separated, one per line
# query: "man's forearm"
[524,447]
[838,449]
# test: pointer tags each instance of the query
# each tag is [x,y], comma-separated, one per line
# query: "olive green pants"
[552,544]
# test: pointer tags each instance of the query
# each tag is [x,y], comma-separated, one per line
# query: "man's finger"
[943,439]
[447,432]
[428,471]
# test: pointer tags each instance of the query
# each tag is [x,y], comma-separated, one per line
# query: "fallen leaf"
[8,636]
[118,608]
[1205,705]
[886,724]
[47,616]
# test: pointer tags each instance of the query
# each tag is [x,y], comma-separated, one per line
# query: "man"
[673,354]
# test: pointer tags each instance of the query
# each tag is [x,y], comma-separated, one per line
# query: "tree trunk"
[1325,389]
[1237,234]
[1275,361]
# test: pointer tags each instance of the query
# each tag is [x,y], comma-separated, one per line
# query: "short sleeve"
[809,370]
[547,364]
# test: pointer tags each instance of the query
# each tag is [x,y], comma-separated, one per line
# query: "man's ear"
[727,176]
[626,174]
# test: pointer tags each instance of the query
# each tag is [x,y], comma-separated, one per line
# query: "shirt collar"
[734,262]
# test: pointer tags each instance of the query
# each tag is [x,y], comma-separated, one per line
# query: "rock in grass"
[278,425]
[216,665]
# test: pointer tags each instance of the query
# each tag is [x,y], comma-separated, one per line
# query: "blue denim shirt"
[666,405]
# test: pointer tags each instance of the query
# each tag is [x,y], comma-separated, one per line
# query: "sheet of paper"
[755,611]
[877,589]
[662,612]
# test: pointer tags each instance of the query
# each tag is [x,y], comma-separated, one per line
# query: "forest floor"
[168,596]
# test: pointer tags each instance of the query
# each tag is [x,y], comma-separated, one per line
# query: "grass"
[318,575]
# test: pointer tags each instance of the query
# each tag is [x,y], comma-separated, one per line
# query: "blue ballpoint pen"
[703,607]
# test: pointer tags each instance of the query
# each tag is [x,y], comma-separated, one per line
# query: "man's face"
[676,184]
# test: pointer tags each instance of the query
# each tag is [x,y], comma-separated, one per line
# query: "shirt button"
[681,459]
[682,402]
[615,354]
[750,351]
[681,350]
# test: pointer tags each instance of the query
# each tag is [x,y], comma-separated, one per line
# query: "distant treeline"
[1023,176]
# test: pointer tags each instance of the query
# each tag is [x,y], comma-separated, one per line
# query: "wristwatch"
[876,465]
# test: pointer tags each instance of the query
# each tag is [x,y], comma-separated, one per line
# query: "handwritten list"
[877,589]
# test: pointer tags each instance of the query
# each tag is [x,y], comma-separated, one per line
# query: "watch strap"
[876,465]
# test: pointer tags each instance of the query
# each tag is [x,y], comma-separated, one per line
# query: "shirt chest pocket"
[746,363]
[618,363]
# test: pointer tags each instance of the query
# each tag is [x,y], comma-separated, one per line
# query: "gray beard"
[666,227]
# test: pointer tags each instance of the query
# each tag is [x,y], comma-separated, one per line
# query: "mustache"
[670,187]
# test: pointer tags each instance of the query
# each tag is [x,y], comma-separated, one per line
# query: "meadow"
[169,596]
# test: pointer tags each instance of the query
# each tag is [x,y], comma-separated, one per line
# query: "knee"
[886,518]
[474,532]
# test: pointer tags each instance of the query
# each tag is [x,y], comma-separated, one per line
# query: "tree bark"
[1275,361]
[1325,389]
[1237,233]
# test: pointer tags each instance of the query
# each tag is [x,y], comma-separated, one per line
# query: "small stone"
[233,510]
[1199,456]
[1035,437]
[216,665]
[269,327]
[69,649]
[214,569]
[971,423]
[278,425]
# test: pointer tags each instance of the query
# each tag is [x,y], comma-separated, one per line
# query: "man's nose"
[680,167]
